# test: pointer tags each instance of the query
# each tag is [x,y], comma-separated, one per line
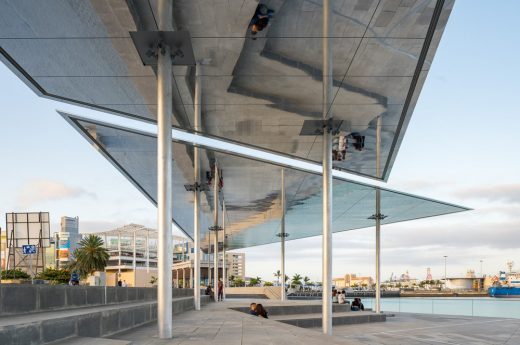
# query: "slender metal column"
[209,258]
[196,201]
[378,218]
[135,261]
[119,256]
[215,223]
[164,175]
[147,251]
[283,295]
[327,173]
[224,270]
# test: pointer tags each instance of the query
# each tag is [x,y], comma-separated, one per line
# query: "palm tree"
[90,256]
[306,280]
[278,274]
[296,279]
[255,281]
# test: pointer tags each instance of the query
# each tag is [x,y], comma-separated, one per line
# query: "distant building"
[352,280]
[465,283]
[3,249]
[68,239]
[133,258]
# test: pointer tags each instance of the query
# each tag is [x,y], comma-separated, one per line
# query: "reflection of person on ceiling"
[260,19]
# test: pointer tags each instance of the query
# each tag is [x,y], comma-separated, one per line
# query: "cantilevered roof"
[251,190]
[257,92]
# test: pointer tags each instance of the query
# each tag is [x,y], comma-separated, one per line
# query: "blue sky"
[461,146]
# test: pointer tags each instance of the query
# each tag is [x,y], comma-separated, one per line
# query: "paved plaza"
[216,324]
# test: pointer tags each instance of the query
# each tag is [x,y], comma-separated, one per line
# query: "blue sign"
[29,249]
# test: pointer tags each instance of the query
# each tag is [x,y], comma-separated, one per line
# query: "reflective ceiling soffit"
[257,92]
[251,190]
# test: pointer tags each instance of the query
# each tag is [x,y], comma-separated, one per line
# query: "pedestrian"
[220,287]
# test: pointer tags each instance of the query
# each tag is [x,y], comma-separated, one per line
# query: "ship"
[506,284]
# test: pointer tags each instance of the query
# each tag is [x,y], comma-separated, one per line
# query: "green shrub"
[56,276]
[14,274]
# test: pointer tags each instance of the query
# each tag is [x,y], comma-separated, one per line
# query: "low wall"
[18,299]
[270,292]
[90,323]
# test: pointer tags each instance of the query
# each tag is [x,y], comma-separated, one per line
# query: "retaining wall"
[18,299]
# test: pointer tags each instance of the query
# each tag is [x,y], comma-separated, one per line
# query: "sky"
[461,146]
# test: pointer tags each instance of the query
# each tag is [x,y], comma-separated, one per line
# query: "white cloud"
[39,191]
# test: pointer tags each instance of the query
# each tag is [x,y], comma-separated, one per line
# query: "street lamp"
[481,275]
[445,280]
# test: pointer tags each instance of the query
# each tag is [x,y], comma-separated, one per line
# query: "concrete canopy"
[257,92]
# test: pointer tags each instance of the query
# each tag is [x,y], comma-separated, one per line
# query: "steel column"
[216,179]
[224,270]
[283,295]
[378,218]
[196,202]
[209,258]
[164,175]
[327,172]
[119,256]
[135,261]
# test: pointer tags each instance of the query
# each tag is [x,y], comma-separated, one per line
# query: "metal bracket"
[377,216]
[201,187]
[150,44]
[318,127]
[282,234]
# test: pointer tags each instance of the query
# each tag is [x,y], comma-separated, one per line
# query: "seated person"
[209,291]
[357,305]
[341,297]
[334,296]
[260,311]
[252,309]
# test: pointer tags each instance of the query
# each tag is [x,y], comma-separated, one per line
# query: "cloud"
[38,191]
[504,193]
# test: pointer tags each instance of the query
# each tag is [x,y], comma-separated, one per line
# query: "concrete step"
[298,309]
[341,318]
[90,341]
[100,321]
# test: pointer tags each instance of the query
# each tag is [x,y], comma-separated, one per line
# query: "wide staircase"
[41,314]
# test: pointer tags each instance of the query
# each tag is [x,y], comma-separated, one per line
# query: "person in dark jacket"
[260,19]
[252,309]
[260,311]
[357,305]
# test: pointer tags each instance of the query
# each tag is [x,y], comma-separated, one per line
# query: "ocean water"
[484,306]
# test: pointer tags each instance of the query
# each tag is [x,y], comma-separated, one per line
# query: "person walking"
[220,287]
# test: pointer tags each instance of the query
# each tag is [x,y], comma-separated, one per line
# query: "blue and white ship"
[508,285]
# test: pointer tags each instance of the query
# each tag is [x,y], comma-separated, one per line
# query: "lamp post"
[481,273]
[445,281]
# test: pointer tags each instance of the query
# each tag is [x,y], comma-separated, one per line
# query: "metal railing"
[483,307]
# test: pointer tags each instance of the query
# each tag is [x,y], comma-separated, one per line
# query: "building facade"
[67,240]
[352,280]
